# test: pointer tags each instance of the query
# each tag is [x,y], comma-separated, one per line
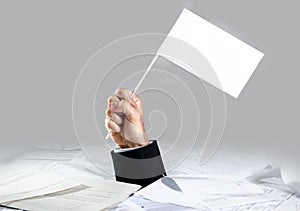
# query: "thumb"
[138,102]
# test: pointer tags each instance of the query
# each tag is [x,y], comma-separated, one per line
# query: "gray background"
[44,45]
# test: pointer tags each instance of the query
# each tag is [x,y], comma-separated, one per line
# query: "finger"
[110,100]
[113,98]
[116,118]
[124,107]
[123,93]
[108,112]
[138,102]
[111,125]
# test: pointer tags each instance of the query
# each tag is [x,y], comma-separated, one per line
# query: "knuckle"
[119,91]
[106,123]
[109,100]
[112,99]
[122,92]
[108,112]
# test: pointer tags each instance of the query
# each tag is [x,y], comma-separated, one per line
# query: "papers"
[65,163]
[79,166]
[223,173]
[291,204]
[206,190]
[52,154]
[224,164]
[94,195]
[222,202]
[223,167]
[214,166]
[89,192]
[273,198]
[215,185]
[2,208]
[210,53]
[137,203]
[18,184]
[225,196]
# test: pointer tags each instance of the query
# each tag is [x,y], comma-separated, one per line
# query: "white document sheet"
[18,184]
[234,165]
[203,186]
[51,154]
[213,166]
[69,164]
[82,163]
[231,60]
[275,194]
[291,204]
[203,191]
[139,203]
[8,209]
[94,195]
[223,202]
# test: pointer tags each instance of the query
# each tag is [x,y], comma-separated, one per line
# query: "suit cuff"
[142,165]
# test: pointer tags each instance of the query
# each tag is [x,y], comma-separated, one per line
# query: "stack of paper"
[139,203]
[67,163]
[209,191]
[212,192]
[16,184]
[291,204]
[92,195]
[31,190]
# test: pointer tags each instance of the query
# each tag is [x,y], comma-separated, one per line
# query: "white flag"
[210,53]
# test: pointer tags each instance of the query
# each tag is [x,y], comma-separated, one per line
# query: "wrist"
[137,143]
[144,142]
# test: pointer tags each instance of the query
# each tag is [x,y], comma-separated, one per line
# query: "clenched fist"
[124,119]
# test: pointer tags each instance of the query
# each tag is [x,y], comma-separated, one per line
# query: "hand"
[124,119]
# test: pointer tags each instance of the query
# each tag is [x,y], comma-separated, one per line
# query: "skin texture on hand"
[124,118]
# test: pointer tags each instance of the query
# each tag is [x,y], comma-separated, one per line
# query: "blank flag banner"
[210,53]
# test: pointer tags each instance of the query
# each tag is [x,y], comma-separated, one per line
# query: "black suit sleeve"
[140,166]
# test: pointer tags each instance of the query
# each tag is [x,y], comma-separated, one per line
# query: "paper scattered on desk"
[95,194]
[89,192]
[221,165]
[220,192]
[275,192]
[69,164]
[291,204]
[215,185]
[51,154]
[204,190]
[16,184]
[139,203]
